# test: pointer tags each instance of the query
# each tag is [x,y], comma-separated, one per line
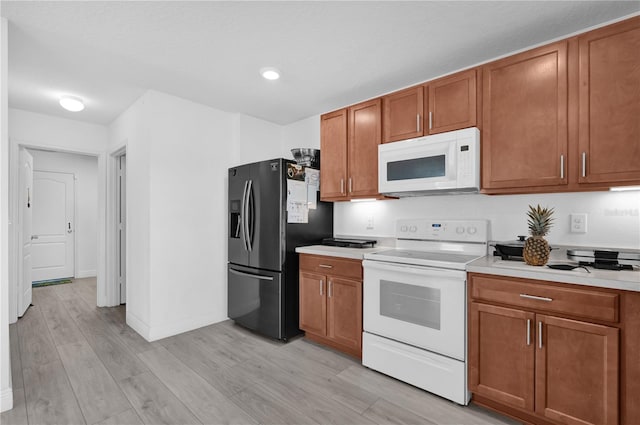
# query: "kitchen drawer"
[331,265]
[529,294]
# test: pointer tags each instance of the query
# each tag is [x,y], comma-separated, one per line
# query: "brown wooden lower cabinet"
[577,368]
[533,364]
[331,302]
[504,357]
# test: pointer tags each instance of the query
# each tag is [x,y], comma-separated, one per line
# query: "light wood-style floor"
[73,363]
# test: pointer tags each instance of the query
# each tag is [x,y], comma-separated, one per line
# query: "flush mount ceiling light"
[270,73]
[71,103]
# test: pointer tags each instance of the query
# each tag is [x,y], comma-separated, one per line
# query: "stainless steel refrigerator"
[263,266]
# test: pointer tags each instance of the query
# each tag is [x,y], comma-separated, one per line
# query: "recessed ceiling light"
[270,73]
[71,103]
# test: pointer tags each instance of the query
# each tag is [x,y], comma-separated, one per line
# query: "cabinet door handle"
[321,287]
[325,266]
[540,335]
[528,331]
[350,185]
[584,164]
[430,120]
[535,297]
[418,123]
[562,167]
[330,288]
[341,185]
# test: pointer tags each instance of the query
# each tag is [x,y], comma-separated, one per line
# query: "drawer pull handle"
[528,331]
[325,266]
[534,297]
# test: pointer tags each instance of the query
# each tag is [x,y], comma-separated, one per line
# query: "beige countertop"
[628,280]
[337,251]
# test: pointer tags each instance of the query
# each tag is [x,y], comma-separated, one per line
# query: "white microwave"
[442,163]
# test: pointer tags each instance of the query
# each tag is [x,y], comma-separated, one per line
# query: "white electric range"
[414,304]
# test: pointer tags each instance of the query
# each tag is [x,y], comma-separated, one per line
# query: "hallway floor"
[73,363]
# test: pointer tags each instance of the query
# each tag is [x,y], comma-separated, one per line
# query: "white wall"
[178,153]
[129,128]
[6,393]
[56,133]
[301,134]
[613,217]
[85,170]
[256,140]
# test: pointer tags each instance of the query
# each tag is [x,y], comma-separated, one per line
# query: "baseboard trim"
[6,399]
[138,325]
[170,329]
[86,273]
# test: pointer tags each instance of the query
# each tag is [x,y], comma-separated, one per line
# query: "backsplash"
[613,218]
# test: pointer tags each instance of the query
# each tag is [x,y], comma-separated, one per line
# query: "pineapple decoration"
[536,249]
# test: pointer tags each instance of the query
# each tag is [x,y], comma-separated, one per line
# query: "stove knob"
[413,229]
[403,228]
[459,230]
[472,230]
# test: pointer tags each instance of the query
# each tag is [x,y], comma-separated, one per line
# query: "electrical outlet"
[578,222]
[370,222]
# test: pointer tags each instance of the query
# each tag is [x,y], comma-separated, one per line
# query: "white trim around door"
[14,260]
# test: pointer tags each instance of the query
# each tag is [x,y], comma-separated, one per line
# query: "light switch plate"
[578,222]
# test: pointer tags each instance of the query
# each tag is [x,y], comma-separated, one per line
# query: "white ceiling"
[330,53]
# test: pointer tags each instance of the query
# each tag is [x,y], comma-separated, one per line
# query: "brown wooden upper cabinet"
[525,98]
[333,154]
[451,103]
[609,104]
[349,140]
[445,104]
[404,114]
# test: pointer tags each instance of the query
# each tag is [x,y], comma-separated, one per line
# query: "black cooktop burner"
[606,265]
[349,243]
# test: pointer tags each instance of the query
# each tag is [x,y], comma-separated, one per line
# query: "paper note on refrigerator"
[297,208]
[312,179]
[296,191]
[298,213]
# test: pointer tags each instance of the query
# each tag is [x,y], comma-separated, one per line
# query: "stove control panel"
[443,230]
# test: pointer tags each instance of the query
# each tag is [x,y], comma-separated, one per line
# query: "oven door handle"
[413,269]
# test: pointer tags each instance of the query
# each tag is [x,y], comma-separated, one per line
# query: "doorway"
[56,219]
[53,224]
[121,227]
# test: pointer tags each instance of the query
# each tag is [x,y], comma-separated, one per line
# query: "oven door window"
[409,303]
[417,168]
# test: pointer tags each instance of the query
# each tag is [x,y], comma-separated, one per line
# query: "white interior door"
[53,225]
[26,208]
[122,227]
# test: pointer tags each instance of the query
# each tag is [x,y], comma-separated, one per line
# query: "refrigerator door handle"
[249,220]
[243,215]
[255,276]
